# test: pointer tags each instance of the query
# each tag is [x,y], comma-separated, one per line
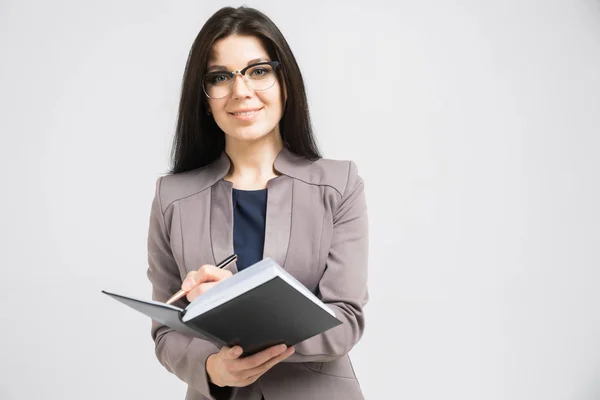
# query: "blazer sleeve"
[180,354]
[343,286]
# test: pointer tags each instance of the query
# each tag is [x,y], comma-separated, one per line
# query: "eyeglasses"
[259,76]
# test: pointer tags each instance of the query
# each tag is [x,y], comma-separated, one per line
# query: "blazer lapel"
[278,222]
[221,222]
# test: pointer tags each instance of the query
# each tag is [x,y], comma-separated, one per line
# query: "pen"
[182,292]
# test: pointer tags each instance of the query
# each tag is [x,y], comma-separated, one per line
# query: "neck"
[252,162]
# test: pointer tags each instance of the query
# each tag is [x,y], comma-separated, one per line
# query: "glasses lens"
[259,77]
[217,84]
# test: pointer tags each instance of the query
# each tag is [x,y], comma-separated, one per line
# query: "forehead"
[234,52]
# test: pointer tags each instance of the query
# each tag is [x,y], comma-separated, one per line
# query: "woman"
[248,178]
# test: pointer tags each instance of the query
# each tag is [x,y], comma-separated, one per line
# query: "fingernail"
[186,286]
[282,347]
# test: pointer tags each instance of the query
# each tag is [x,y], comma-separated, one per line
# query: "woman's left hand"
[198,282]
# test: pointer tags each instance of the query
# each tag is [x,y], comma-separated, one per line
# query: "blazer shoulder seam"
[319,184]
[331,166]
[185,197]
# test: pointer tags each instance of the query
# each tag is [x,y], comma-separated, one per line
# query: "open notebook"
[258,307]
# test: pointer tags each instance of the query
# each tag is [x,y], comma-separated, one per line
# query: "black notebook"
[258,307]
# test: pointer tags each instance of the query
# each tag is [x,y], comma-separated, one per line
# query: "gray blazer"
[316,228]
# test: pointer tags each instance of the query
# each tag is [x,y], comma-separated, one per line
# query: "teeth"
[245,113]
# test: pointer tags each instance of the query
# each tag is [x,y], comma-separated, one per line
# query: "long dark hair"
[198,139]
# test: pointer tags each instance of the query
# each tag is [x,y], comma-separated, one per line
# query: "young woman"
[248,178]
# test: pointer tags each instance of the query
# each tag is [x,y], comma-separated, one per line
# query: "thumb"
[233,352]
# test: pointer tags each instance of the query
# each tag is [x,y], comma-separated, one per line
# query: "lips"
[245,112]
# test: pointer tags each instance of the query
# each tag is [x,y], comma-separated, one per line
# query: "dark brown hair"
[198,139]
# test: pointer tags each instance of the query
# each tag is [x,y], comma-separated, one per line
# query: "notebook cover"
[267,315]
[163,313]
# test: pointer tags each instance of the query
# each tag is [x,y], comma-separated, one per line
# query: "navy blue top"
[249,215]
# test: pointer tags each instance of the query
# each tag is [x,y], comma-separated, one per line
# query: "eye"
[259,71]
[218,78]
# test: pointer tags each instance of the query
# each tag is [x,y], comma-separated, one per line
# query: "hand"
[225,368]
[198,282]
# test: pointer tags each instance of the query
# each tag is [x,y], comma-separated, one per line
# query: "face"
[262,109]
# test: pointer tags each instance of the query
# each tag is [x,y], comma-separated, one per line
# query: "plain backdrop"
[475,125]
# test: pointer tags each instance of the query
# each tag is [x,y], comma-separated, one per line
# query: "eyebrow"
[224,68]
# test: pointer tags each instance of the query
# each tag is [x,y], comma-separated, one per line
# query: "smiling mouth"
[245,113]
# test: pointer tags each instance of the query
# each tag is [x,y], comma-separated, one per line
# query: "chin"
[249,134]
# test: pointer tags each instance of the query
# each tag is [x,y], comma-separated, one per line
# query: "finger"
[231,353]
[206,273]
[198,290]
[210,273]
[261,369]
[190,281]
[260,358]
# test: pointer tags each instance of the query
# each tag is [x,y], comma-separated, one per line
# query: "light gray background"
[474,124]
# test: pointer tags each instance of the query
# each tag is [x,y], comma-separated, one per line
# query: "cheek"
[273,101]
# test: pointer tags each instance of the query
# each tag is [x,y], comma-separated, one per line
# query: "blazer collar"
[286,163]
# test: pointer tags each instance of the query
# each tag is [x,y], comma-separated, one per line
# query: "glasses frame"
[242,72]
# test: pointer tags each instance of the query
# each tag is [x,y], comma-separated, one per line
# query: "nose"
[240,89]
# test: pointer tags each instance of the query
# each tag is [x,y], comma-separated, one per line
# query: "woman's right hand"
[225,368]
[198,282]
